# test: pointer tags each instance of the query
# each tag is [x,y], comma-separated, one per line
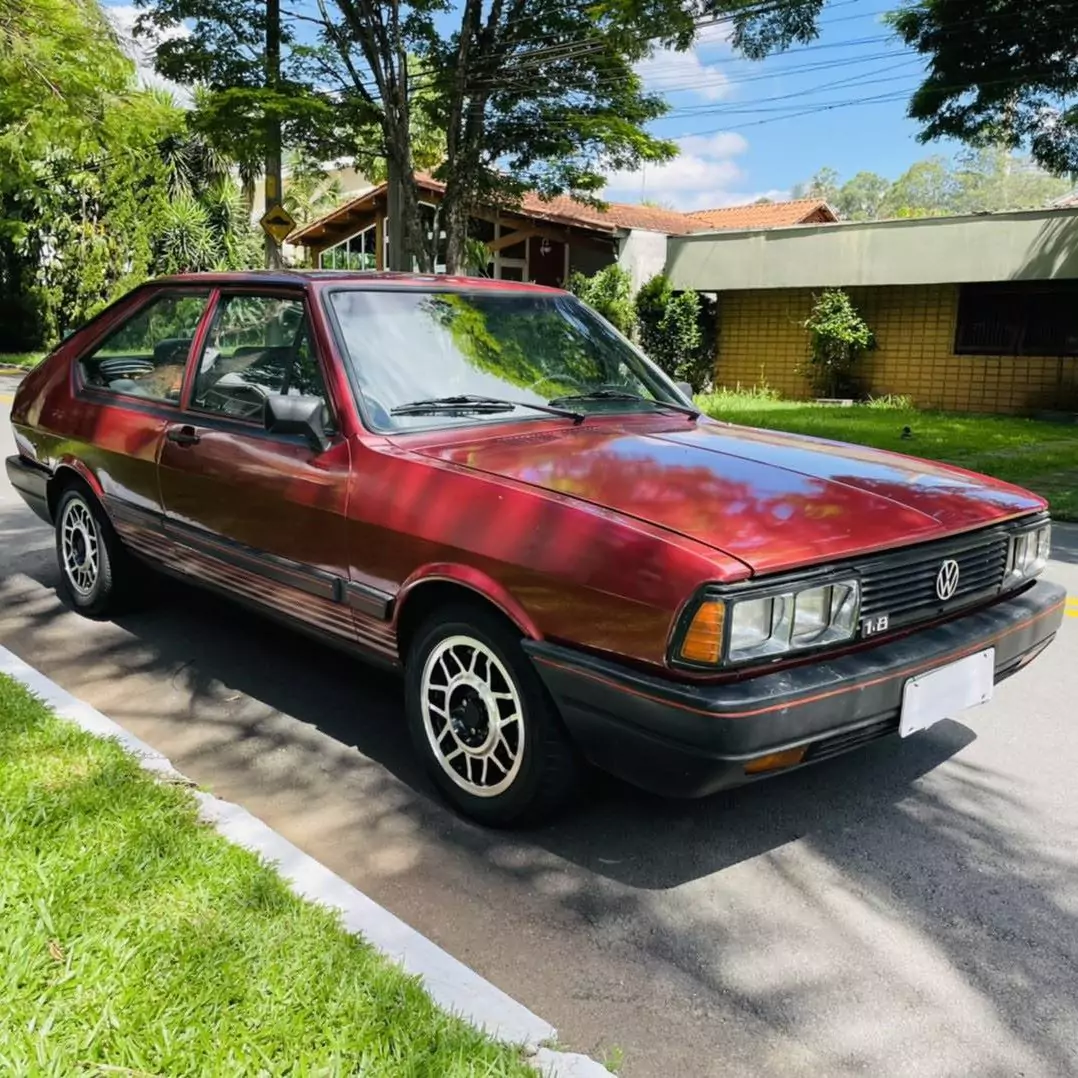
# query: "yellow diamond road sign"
[278,223]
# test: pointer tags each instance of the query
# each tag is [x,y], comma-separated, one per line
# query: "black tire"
[549,774]
[110,588]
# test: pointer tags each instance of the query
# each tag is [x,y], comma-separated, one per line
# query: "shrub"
[670,331]
[838,337]
[610,292]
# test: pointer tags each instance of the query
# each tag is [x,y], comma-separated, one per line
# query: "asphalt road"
[911,909]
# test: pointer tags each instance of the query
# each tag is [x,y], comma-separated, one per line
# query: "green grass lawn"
[19,359]
[137,941]
[1040,456]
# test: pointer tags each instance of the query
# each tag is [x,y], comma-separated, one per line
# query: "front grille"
[903,585]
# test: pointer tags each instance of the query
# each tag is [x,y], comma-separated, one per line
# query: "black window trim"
[133,400]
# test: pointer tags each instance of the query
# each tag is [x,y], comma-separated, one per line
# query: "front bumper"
[688,740]
[31,481]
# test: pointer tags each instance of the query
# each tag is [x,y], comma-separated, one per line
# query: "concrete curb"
[451,984]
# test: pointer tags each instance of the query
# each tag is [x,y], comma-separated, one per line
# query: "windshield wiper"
[625,395]
[479,405]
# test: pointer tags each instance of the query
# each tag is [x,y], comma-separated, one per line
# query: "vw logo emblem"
[947,579]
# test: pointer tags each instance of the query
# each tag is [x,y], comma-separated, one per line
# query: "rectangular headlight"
[789,621]
[1028,553]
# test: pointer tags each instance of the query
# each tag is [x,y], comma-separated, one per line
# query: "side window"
[147,354]
[257,346]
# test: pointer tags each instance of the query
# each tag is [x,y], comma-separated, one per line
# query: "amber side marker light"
[773,761]
[702,642]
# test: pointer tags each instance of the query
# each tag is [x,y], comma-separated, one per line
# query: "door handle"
[183,435]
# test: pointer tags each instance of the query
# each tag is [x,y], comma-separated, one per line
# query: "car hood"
[774,501]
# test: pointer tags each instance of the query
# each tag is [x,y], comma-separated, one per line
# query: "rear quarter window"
[146,355]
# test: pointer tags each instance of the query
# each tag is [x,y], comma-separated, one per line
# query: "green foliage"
[309,192]
[838,336]
[891,401]
[89,210]
[477,257]
[223,50]
[1005,72]
[983,179]
[670,333]
[610,292]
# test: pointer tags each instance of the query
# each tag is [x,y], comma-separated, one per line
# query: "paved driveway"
[908,910]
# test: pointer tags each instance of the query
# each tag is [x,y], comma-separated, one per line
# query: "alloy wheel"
[472,715]
[80,546]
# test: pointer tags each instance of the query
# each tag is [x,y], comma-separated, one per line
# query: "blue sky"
[737,121]
[748,129]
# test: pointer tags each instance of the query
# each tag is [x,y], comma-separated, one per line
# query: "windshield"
[410,347]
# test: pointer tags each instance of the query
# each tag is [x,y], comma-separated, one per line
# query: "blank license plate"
[945,692]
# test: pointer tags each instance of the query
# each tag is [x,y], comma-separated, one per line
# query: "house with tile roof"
[797,211]
[975,313]
[541,240]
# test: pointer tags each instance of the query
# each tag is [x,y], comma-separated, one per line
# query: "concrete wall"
[643,254]
[1035,245]
[762,340]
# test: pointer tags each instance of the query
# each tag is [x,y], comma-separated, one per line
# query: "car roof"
[367,278]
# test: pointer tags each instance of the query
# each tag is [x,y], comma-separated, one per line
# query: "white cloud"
[670,72]
[695,71]
[703,175]
[142,50]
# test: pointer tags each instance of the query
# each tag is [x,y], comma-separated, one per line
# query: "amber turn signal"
[774,761]
[702,642]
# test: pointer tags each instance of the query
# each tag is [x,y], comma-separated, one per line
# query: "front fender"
[475,580]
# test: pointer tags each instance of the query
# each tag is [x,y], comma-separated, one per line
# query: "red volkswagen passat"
[486,485]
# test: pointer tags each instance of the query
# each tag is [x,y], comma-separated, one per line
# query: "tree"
[531,94]
[1001,73]
[102,184]
[250,64]
[926,189]
[861,197]
[823,185]
[985,179]
[60,66]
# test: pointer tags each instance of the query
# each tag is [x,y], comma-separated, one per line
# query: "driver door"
[259,513]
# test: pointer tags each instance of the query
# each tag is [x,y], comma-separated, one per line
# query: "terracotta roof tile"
[567,210]
[766,214]
[616,215]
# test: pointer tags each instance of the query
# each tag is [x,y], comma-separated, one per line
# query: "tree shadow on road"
[790,908]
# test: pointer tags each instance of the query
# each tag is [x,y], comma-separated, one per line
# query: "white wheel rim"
[80,546]
[472,715]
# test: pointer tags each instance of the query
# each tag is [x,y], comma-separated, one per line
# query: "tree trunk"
[455,217]
[273,125]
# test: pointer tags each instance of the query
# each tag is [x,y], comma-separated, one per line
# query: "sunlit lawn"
[1038,455]
[137,941]
[19,359]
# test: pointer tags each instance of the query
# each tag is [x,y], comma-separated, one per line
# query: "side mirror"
[297,415]
[686,390]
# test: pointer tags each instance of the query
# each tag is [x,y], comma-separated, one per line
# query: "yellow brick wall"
[762,340]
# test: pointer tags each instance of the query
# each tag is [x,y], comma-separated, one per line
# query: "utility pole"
[273,125]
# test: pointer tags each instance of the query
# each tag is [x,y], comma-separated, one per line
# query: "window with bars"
[1021,319]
